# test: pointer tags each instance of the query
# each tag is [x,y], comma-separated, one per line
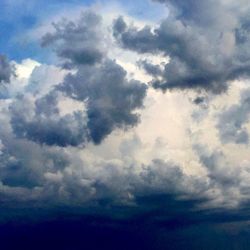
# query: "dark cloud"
[6,70]
[232,121]
[227,180]
[78,43]
[26,171]
[199,100]
[206,41]
[150,68]
[166,177]
[41,122]
[142,41]
[216,166]
[158,221]
[111,100]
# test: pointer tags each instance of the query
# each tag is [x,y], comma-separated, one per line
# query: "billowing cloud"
[42,123]
[78,43]
[206,41]
[110,98]
[98,82]
[145,160]
[87,131]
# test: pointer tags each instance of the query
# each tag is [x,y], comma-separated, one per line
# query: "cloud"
[6,70]
[145,160]
[95,135]
[88,137]
[207,42]
[111,100]
[78,43]
[43,123]
[228,182]
[232,121]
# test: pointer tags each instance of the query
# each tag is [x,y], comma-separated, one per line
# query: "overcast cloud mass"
[126,124]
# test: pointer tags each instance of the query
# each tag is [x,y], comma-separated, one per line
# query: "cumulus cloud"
[78,43]
[87,132]
[229,183]
[232,121]
[111,99]
[207,42]
[40,157]
[124,167]
[42,123]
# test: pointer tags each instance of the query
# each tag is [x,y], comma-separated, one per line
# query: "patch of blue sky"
[144,9]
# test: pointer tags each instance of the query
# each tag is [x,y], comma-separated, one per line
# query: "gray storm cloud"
[207,43]
[98,82]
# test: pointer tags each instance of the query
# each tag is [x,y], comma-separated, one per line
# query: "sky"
[124,125]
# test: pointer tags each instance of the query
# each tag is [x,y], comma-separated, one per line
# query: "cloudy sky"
[125,124]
